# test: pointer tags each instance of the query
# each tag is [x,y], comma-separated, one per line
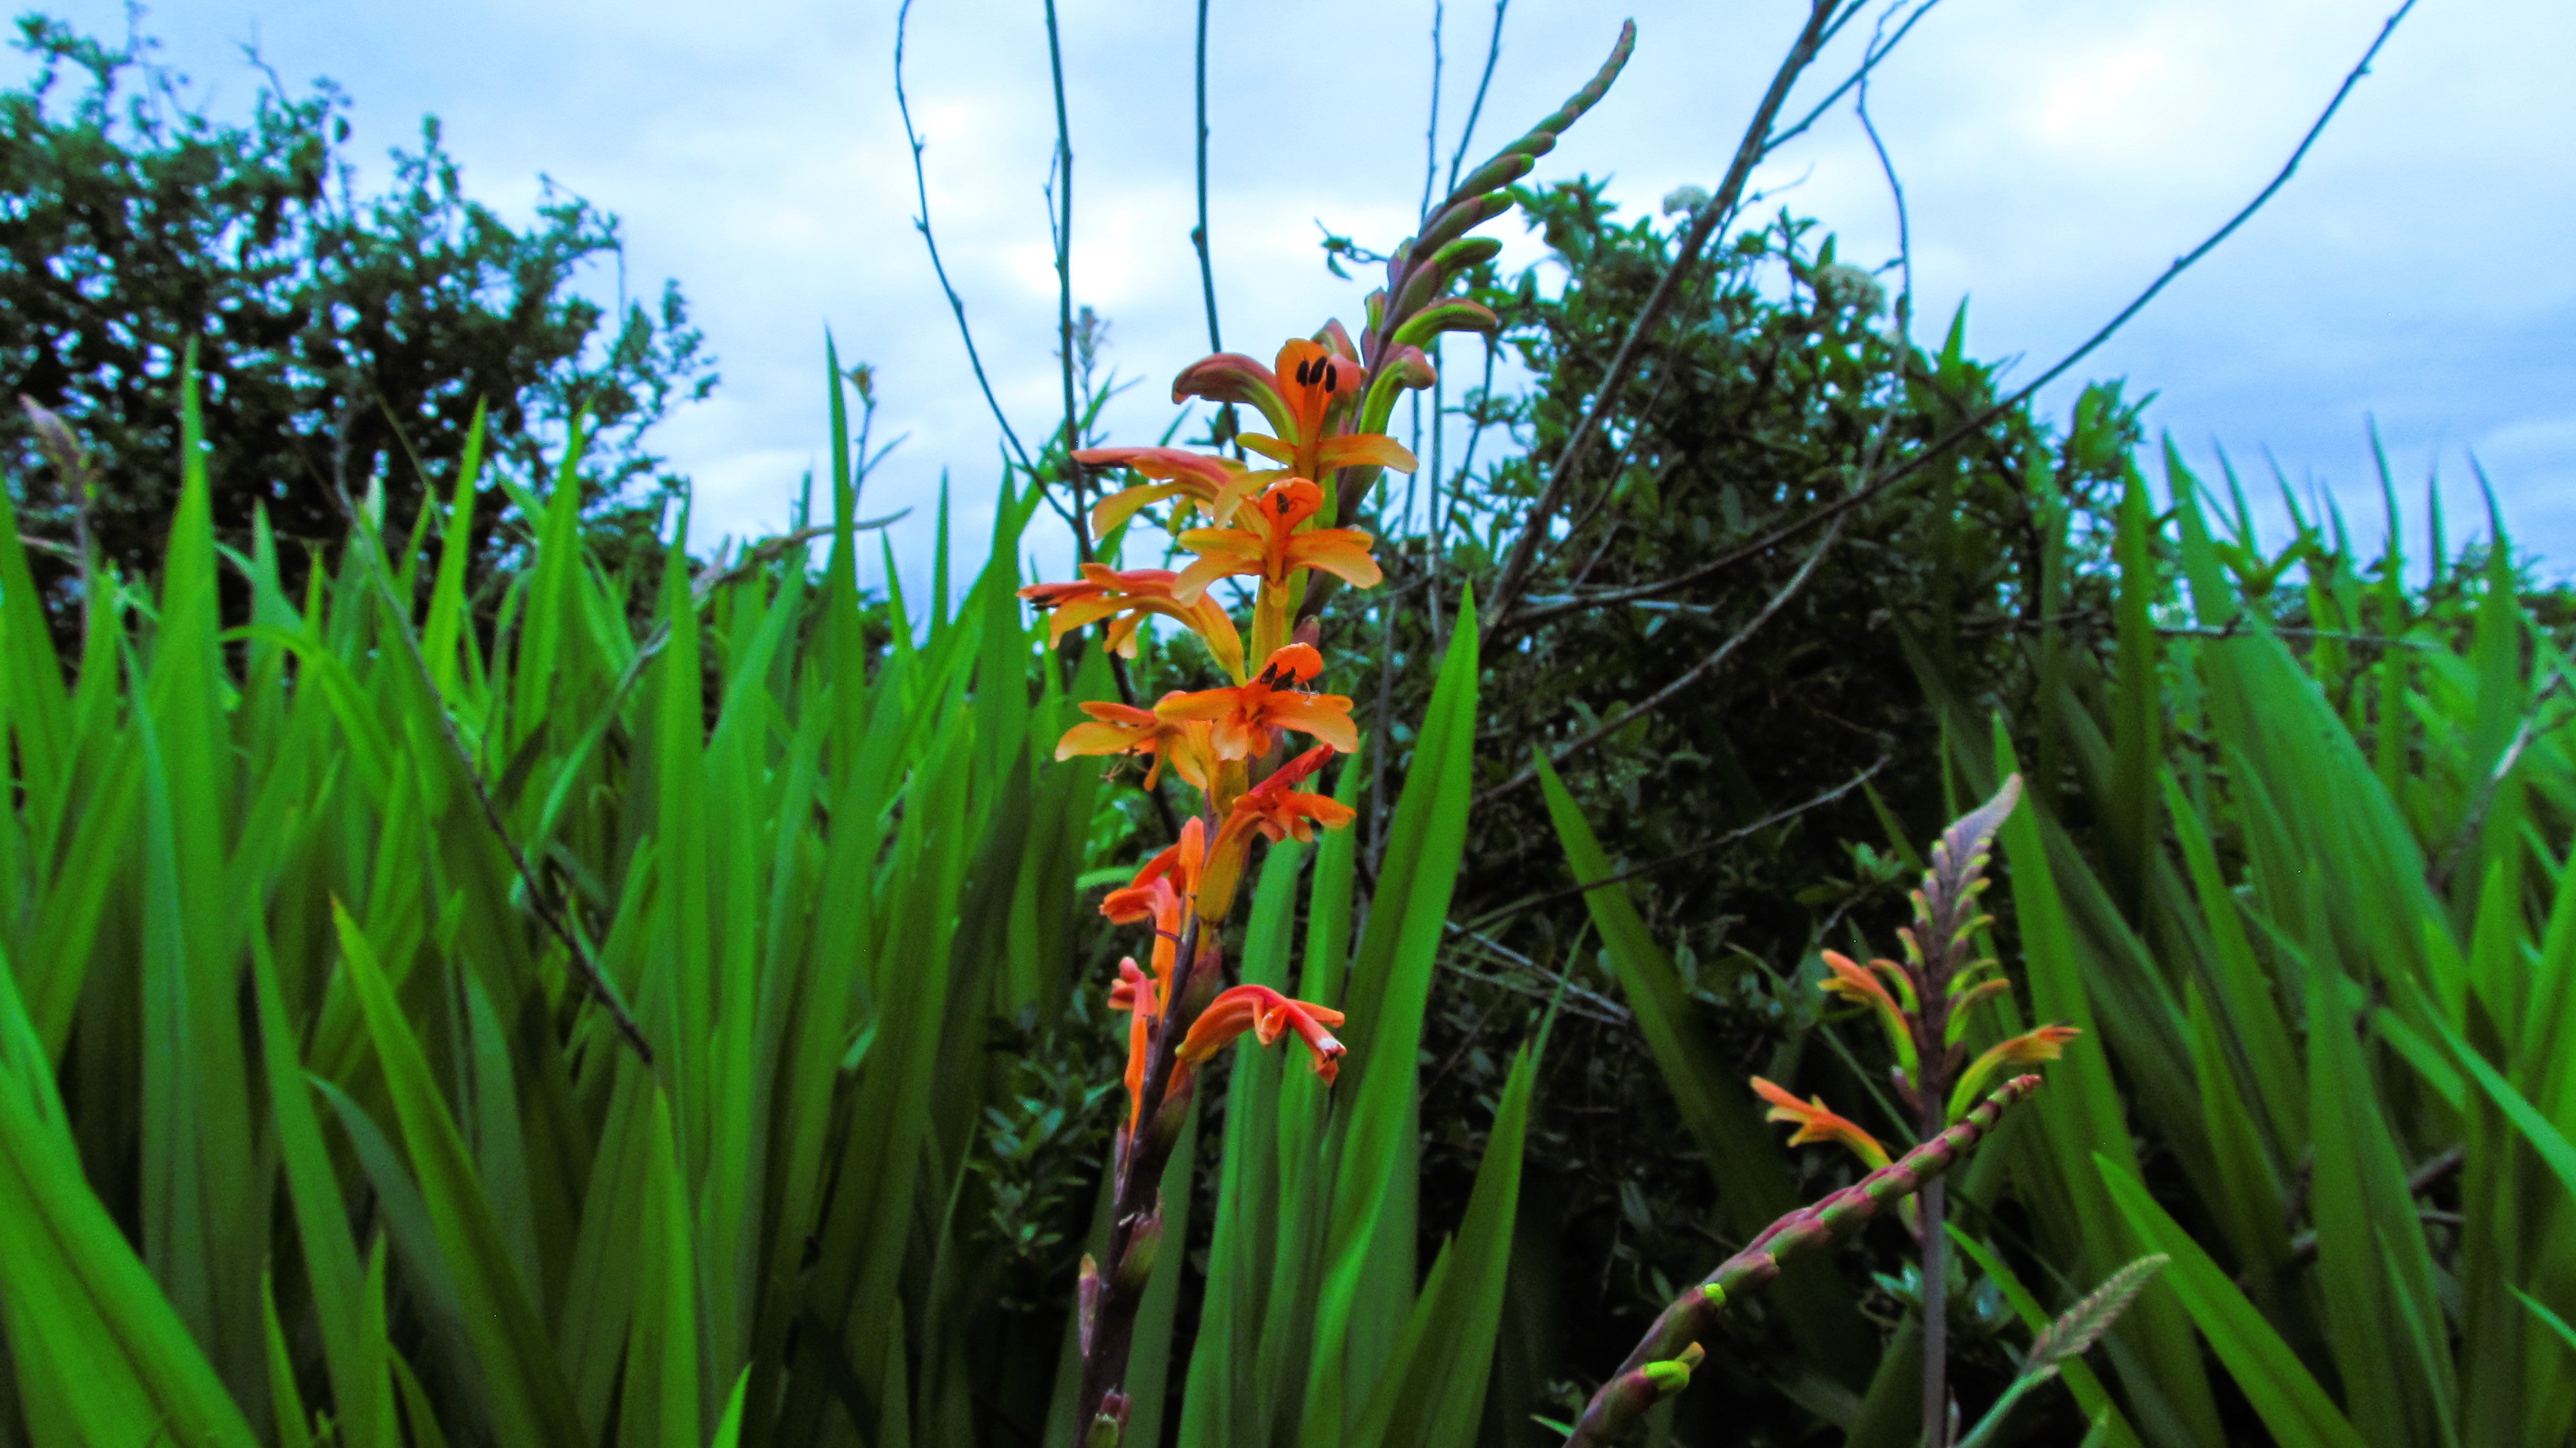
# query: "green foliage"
[349,336]
[421,1185]
[1765,396]
[2330,1077]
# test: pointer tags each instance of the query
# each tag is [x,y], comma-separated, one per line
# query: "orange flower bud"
[1818,1122]
[2029,1048]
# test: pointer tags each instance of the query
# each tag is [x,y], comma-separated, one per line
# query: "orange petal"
[1211,566]
[1099,739]
[1233,377]
[1325,716]
[1342,552]
[1360,449]
[1216,626]
[1203,704]
[1124,504]
[1298,662]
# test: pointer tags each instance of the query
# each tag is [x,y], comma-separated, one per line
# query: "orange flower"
[1213,485]
[1248,717]
[1818,1122]
[1852,982]
[1165,891]
[1272,549]
[1265,1013]
[1174,739]
[1310,398]
[1275,809]
[1125,598]
[2029,1048]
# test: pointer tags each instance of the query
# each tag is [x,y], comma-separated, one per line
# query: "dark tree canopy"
[344,339]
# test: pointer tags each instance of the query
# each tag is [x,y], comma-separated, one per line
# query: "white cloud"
[2055,158]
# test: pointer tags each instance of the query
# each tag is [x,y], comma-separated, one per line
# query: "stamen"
[1324,365]
[1305,372]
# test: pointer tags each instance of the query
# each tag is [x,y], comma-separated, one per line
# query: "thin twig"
[770,550]
[1977,424]
[1199,233]
[1467,133]
[2436,1170]
[1523,558]
[1773,820]
[1665,695]
[1431,132]
[921,223]
[2475,817]
[1062,225]
[1878,51]
[1600,1012]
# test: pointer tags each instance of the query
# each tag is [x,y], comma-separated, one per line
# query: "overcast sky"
[2055,156]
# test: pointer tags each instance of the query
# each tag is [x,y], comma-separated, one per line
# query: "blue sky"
[2055,157]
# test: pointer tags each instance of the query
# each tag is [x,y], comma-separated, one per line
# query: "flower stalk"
[1924,1004]
[1230,745]
[1622,1402]
[1285,530]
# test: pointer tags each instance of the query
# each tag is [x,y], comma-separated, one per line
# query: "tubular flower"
[1212,485]
[1248,717]
[1275,809]
[1165,891]
[1125,598]
[1272,549]
[1818,1122]
[1266,1013]
[1309,397]
[2030,1047]
[1173,739]
[1852,982]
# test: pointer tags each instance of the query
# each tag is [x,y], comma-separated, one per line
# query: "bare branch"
[1467,133]
[1772,820]
[1199,233]
[540,900]
[1931,451]
[1689,676]
[1879,49]
[1062,225]
[1519,564]
[921,223]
